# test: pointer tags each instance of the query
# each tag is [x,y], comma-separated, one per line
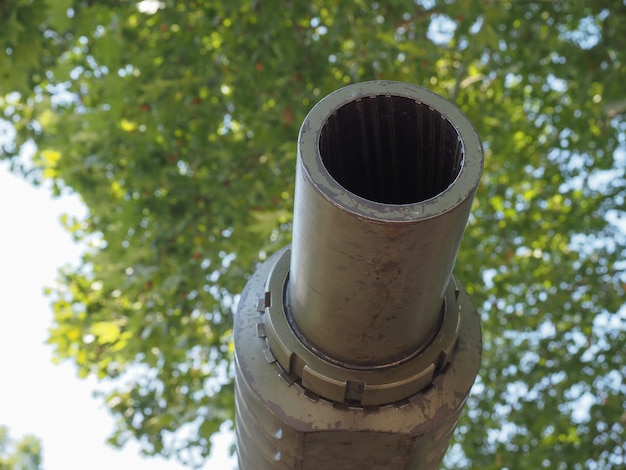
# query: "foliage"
[177,121]
[24,454]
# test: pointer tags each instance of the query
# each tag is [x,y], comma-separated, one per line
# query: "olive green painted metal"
[356,347]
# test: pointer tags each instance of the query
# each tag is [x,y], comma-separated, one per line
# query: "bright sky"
[36,396]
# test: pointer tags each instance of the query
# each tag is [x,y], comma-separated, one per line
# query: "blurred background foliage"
[176,122]
[22,454]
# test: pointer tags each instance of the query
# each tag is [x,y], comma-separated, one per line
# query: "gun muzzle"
[356,347]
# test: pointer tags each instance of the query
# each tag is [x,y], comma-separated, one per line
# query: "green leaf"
[105,332]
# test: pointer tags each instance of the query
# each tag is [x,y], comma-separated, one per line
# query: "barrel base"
[282,425]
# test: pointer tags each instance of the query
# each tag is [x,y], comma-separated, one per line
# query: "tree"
[24,454]
[176,122]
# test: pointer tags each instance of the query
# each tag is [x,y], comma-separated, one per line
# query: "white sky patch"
[441,30]
[36,396]
[150,7]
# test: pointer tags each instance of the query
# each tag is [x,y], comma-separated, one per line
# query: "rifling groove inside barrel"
[391,149]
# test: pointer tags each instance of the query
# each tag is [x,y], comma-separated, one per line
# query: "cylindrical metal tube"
[356,347]
[386,175]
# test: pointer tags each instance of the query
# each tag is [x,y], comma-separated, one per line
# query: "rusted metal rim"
[345,122]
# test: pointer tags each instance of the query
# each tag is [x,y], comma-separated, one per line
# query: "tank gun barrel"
[355,346]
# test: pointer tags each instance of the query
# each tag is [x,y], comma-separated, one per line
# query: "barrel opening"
[391,149]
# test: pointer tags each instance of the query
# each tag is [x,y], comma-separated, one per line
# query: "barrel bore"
[391,149]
